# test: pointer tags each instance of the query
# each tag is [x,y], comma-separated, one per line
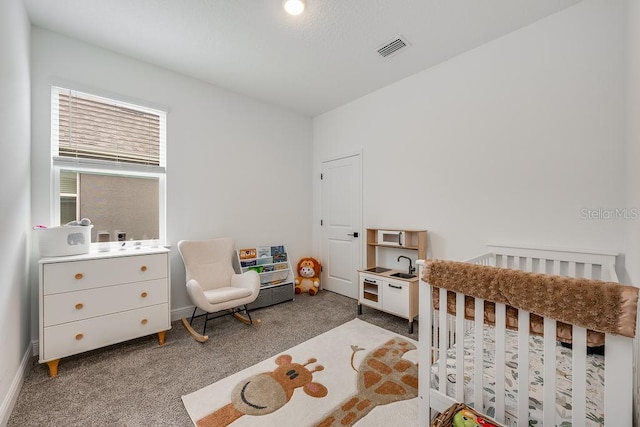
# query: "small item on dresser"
[64,240]
[104,241]
[84,222]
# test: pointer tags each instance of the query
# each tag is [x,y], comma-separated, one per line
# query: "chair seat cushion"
[228,293]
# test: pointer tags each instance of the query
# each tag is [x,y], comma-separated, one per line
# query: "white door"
[341,215]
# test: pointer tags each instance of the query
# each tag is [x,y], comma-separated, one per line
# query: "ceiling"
[311,63]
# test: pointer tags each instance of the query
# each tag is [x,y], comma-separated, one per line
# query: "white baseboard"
[179,313]
[12,396]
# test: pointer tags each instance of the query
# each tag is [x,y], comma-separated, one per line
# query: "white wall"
[510,141]
[505,143]
[236,166]
[632,229]
[15,196]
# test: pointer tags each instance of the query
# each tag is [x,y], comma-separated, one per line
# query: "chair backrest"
[208,261]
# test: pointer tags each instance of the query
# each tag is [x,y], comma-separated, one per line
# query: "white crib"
[442,336]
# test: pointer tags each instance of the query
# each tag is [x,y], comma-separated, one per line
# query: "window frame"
[105,167]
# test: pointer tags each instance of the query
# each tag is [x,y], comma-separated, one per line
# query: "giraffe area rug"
[356,374]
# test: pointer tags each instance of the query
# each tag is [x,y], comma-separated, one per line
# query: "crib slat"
[504,261]
[571,272]
[542,265]
[426,346]
[516,263]
[588,271]
[528,265]
[611,276]
[501,325]
[549,399]
[618,380]
[460,347]
[443,338]
[556,267]
[523,365]
[579,375]
[478,359]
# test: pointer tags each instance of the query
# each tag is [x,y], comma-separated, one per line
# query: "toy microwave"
[390,237]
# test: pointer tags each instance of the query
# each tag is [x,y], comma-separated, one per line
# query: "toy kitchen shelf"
[386,289]
[273,266]
[394,238]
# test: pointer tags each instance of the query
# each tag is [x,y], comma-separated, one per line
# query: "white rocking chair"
[213,285]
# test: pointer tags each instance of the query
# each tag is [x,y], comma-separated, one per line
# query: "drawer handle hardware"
[394,286]
[144,321]
[143,268]
[143,295]
[79,337]
[79,306]
[78,276]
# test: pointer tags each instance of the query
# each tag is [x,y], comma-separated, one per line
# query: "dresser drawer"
[94,273]
[79,305]
[75,337]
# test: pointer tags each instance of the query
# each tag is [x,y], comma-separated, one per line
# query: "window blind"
[92,129]
[68,182]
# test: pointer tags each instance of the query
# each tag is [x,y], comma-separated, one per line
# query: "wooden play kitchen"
[386,289]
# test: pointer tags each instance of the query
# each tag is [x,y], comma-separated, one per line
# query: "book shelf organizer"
[274,268]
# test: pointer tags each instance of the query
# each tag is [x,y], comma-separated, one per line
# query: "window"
[108,160]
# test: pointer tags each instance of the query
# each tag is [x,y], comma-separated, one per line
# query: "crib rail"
[440,332]
[587,264]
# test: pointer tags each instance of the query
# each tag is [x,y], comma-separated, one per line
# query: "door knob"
[354,234]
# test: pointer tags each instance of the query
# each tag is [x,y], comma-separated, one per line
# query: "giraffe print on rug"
[383,377]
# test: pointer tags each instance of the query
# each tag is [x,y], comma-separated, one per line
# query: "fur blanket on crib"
[593,304]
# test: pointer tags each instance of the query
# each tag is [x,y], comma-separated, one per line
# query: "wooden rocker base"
[203,338]
[244,319]
[194,334]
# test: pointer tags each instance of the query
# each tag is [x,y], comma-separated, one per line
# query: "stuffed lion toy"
[308,279]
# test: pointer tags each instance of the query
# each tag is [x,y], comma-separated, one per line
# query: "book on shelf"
[281,266]
[247,253]
[258,268]
[248,263]
[268,268]
[278,253]
[265,260]
[263,251]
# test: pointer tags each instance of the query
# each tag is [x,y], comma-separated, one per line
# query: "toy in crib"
[466,418]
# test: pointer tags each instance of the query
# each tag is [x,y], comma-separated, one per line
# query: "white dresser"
[97,299]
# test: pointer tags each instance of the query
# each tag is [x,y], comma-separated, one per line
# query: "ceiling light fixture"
[293,7]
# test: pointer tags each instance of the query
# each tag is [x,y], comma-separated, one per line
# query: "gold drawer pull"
[79,306]
[79,337]
[78,276]
[144,321]
[143,295]
[143,268]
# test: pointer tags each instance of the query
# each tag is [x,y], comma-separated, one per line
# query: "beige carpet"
[355,374]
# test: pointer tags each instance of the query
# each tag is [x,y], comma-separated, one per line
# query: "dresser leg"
[161,336]
[53,367]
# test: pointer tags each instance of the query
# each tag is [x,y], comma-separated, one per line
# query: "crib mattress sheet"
[594,376]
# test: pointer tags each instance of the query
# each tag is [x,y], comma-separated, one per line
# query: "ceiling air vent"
[393,47]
